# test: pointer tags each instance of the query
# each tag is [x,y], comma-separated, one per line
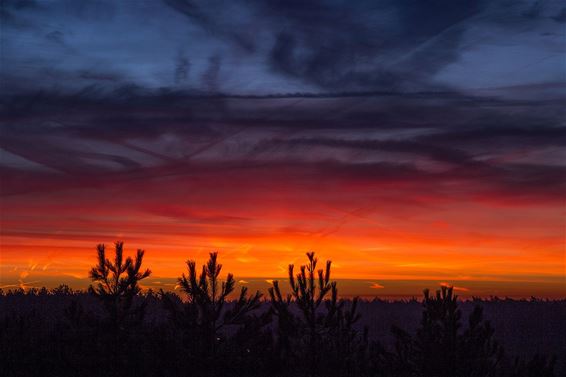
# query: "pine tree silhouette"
[205,315]
[117,285]
[440,349]
[118,282]
[321,332]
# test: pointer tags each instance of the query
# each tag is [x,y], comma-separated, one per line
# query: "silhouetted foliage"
[117,286]
[538,366]
[216,331]
[320,337]
[440,348]
[205,315]
[118,282]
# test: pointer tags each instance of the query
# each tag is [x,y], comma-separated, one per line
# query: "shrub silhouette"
[321,336]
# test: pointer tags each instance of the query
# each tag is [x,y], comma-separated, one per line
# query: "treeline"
[215,331]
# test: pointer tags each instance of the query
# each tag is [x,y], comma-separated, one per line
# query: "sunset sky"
[413,143]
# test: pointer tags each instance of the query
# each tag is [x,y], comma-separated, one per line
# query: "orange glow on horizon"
[376,233]
[358,251]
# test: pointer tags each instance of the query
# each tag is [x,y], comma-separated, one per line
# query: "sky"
[412,143]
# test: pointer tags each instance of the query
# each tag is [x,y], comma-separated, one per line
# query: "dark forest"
[209,329]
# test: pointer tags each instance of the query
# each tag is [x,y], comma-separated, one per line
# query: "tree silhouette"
[206,314]
[118,281]
[439,348]
[117,285]
[326,330]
